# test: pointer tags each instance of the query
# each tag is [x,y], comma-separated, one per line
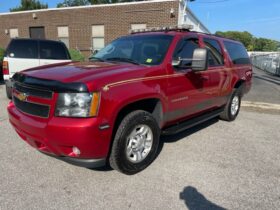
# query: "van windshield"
[142,49]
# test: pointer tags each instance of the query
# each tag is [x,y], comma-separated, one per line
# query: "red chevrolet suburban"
[113,109]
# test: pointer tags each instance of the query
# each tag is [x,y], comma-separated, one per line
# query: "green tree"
[108,1]
[29,5]
[76,55]
[2,52]
[244,37]
[250,42]
[73,3]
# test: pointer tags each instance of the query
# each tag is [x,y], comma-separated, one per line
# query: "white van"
[23,54]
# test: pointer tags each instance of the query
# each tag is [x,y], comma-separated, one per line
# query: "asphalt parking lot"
[217,165]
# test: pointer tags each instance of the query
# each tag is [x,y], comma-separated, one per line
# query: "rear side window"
[237,53]
[23,49]
[53,51]
[215,55]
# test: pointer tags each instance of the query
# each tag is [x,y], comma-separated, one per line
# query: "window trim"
[92,36]
[15,29]
[63,37]
[138,24]
[97,38]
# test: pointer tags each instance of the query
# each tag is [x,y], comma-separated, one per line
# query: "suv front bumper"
[57,136]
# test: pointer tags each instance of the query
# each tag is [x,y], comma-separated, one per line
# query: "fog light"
[76,151]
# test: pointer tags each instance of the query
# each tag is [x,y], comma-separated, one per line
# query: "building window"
[98,37]
[63,34]
[14,33]
[138,26]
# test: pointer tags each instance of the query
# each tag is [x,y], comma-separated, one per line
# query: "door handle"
[204,78]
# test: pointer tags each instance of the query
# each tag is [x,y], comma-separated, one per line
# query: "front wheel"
[232,107]
[136,143]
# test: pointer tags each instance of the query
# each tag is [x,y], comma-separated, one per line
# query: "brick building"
[87,28]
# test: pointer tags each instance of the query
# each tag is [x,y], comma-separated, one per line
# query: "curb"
[260,105]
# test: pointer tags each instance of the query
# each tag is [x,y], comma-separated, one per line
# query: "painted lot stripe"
[260,105]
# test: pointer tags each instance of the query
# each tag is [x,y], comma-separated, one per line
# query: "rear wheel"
[232,107]
[136,143]
[8,92]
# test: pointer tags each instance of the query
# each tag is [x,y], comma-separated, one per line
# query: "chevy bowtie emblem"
[22,96]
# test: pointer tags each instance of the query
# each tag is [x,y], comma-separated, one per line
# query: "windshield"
[145,49]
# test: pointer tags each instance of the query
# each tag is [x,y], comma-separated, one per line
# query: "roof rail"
[184,27]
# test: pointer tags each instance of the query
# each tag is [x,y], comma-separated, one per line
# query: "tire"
[8,92]
[232,107]
[124,149]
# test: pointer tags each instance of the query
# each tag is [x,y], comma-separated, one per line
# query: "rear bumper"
[6,77]
[57,137]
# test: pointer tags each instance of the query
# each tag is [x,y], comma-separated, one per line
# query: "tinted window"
[184,51]
[23,49]
[215,55]
[53,50]
[143,49]
[237,53]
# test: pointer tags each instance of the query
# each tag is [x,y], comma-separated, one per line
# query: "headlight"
[77,104]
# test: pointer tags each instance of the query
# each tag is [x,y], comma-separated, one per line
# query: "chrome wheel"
[139,143]
[234,105]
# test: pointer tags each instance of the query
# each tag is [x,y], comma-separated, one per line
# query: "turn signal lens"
[94,104]
[6,68]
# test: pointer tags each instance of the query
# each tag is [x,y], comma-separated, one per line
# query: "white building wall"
[186,16]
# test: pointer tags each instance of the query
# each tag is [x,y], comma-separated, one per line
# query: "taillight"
[6,68]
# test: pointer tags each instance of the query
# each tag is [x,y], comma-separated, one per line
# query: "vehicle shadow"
[168,139]
[105,168]
[194,200]
[188,132]
[179,136]
[2,82]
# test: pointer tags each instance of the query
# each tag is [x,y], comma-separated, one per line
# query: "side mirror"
[200,59]
[95,52]
[176,63]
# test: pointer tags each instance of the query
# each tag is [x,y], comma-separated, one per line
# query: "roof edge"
[88,6]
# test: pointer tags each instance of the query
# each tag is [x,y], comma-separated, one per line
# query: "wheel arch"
[152,105]
[240,84]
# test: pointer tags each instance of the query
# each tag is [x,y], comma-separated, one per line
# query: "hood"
[81,71]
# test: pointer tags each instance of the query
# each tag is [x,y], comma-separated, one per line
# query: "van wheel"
[8,92]
[135,144]
[232,107]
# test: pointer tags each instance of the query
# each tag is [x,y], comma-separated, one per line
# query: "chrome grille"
[33,91]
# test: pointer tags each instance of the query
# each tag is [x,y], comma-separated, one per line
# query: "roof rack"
[184,27]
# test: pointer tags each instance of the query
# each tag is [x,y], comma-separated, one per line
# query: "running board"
[192,122]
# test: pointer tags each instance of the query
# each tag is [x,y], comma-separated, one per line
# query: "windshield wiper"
[96,58]
[128,60]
